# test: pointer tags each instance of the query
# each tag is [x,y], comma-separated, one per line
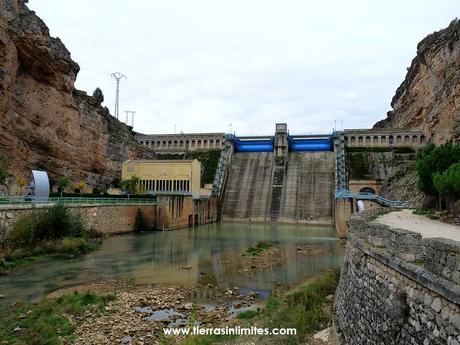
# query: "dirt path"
[425,226]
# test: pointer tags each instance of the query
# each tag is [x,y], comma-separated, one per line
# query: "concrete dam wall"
[249,185]
[299,190]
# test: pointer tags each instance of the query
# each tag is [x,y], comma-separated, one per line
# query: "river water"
[205,254]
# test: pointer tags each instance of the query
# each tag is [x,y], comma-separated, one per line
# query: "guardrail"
[76,201]
[346,194]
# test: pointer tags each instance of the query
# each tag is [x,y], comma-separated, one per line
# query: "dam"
[282,178]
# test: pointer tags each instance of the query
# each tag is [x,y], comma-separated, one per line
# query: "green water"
[213,252]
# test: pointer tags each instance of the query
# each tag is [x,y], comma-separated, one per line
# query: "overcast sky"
[201,65]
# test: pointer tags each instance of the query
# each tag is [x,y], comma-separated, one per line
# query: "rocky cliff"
[44,122]
[429,97]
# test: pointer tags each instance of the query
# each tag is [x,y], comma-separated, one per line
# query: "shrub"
[23,232]
[247,314]
[49,225]
[97,191]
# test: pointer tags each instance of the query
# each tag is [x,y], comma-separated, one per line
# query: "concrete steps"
[277,191]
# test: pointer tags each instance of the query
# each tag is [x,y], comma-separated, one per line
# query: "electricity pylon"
[118,76]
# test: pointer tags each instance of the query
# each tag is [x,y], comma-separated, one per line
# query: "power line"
[118,76]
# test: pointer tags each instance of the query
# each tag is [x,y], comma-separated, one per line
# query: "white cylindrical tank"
[361,205]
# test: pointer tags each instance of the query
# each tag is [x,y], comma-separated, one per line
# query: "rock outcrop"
[44,122]
[429,97]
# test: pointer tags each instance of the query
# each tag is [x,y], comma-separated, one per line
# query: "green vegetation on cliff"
[207,158]
[51,321]
[358,165]
[3,167]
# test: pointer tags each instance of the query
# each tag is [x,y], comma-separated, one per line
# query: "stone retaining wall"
[108,219]
[397,288]
[171,212]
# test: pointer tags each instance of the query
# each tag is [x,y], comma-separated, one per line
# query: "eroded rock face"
[429,97]
[44,122]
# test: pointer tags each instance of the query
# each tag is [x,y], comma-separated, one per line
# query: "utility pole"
[130,112]
[118,76]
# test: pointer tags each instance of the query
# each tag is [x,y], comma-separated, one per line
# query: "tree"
[131,186]
[21,182]
[79,186]
[62,182]
[447,183]
[432,160]
[98,95]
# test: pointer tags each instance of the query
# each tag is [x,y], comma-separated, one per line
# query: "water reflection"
[211,254]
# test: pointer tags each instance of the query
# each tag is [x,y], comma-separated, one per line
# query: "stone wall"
[108,219]
[397,288]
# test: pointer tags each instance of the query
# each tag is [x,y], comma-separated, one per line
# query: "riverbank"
[68,247]
[110,312]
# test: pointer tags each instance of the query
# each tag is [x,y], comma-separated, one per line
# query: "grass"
[428,213]
[50,321]
[247,314]
[305,309]
[258,249]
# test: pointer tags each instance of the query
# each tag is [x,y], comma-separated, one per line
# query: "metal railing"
[76,201]
[346,194]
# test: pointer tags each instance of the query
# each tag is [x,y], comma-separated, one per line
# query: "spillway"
[301,191]
[248,189]
[307,195]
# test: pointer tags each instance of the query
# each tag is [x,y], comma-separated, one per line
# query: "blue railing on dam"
[253,145]
[296,143]
[311,144]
